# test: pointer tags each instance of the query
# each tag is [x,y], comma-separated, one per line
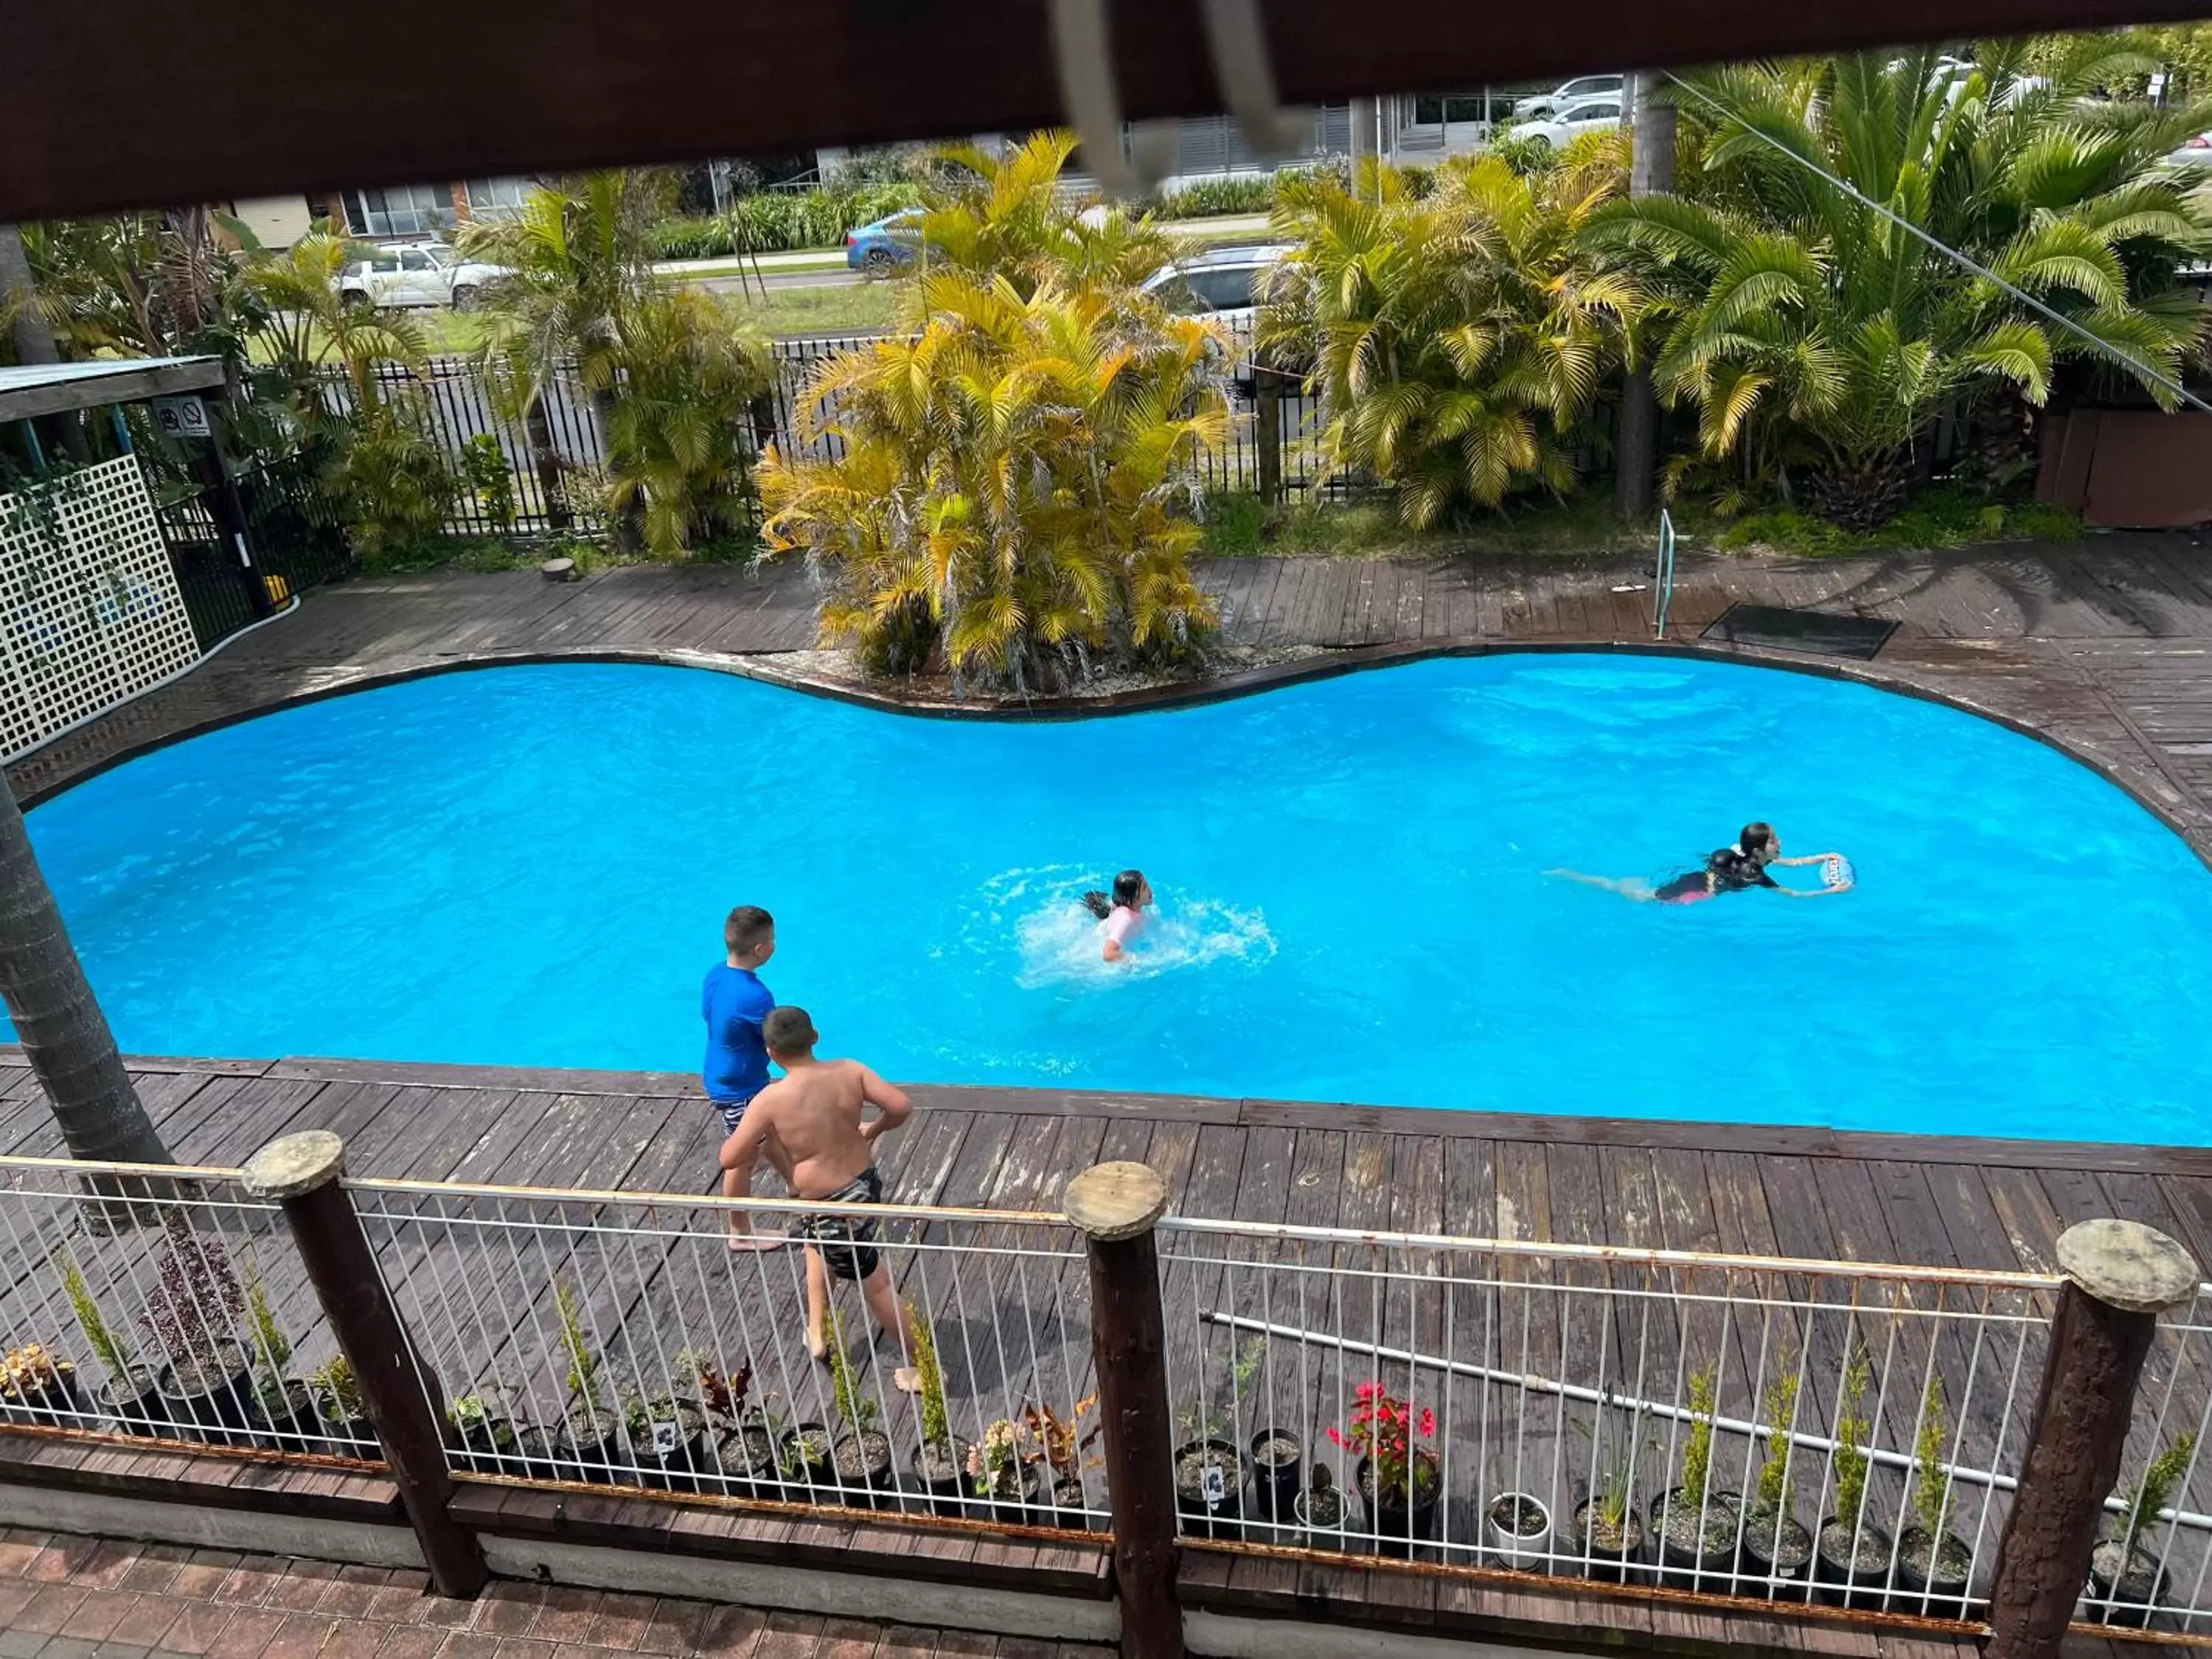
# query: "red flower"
[1428,1421]
[1337,1436]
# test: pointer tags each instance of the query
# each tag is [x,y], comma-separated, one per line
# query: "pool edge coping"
[1253,1112]
[1329,664]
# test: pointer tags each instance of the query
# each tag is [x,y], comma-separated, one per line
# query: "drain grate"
[1815,632]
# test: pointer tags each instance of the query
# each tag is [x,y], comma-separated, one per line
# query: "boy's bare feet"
[906,1380]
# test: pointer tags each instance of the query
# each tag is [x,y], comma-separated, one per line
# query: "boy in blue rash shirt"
[734,1002]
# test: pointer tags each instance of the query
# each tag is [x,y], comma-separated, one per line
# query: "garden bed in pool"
[529,865]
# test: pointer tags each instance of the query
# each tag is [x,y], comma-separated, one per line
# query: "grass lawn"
[853,308]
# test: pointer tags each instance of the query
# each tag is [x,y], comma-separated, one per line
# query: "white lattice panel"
[89,608]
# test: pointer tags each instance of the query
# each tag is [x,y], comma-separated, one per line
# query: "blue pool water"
[530,867]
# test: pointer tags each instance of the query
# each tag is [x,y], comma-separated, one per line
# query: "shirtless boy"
[808,1123]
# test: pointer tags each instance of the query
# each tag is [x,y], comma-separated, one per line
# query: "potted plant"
[1933,1562]
[1276,1455]
[343,1412]
[940,1458]
[1007,1483]
[1063,1443]
[192,1312]
[745,1450]
[861,1457]
[131,1395]
[2122,1573]
[1398,1482]
[1520,1530]
[1319,1511]
[486,1433]
[1209,1470]
[588,1440]
[804,1469]
[1695,1525]
[1775,1543]
[38,1385]
[1608,1528]
[280,1407]
[1852,1553]
[667,1439]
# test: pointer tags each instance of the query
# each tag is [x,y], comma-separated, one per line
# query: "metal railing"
[1777,1429]
[2153,1563]
[147,1303]
[618,1338]
[1766,1429]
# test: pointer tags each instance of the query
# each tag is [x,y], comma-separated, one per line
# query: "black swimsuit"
[1726,871]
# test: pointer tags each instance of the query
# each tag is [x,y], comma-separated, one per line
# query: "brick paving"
[64,1597]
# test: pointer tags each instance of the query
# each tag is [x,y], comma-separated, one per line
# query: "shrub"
[1206,198]
[1461,340]
[1017,483]
[391,480]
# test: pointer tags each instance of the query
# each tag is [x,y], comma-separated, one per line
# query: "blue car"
[886,246]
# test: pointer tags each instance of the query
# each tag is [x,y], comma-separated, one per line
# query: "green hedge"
[779,222]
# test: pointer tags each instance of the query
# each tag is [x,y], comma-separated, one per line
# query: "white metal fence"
[1782,1429]
[617,1337]
[179,1313]
[1765,1428]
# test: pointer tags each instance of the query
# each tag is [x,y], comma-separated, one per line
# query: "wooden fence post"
[302,1172]
[1268,433]
[1115,1206]
[2120,1276]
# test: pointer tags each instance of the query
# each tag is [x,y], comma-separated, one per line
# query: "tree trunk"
[1862,492]
[630,517]
[34,340]
[1651,172]
[64,1033]
[545,462]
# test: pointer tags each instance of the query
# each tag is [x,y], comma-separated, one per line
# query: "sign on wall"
[181,417]
[91,612]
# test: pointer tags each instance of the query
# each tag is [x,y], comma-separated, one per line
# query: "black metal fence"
[563,437]
[298,538]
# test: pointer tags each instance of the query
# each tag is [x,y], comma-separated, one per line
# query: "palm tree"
[1809,331]
[305,325]
[58,1021]
[1015,484]
[1460,339]
[1013,216]
[688,368]
[660,369]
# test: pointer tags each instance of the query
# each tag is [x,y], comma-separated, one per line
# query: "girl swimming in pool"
[1124,915]
[1727,869]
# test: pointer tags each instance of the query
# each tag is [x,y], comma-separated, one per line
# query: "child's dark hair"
[1127,886]
[788,1030]
[748,924]
[1756,837]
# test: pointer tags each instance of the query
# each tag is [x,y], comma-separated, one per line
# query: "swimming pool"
[529,865]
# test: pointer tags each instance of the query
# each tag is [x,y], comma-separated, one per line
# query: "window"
[495,196]
[1226,289]
[414,259]
[1595,112]
[1590,84]
[386,262]
[403,210]
[1433,109]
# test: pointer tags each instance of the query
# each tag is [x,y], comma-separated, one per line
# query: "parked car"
[414,274]
[2197,153]
[886,246]
[1222,283]
[1544,105]
[1599,114]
